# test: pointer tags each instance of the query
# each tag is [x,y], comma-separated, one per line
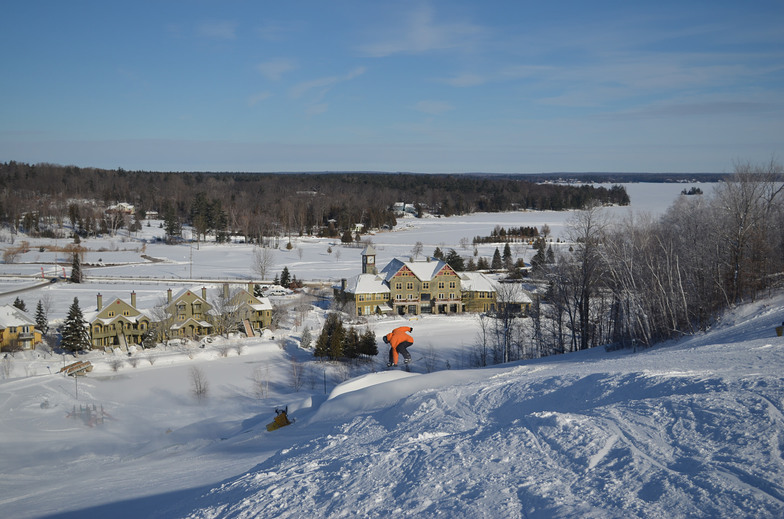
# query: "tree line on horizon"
[642,280]
[259,205]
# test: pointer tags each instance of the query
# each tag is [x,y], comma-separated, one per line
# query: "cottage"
[17,329]
[409,287]
[118,324]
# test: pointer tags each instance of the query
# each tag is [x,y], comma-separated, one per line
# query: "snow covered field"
[687,429]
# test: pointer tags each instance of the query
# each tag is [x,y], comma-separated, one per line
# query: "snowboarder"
[399,340]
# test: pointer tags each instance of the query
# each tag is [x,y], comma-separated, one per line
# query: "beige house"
[17,329]
[254,313]
[118,324]
[188,312]
[415,287]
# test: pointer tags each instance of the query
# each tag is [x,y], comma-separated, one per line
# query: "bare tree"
[297,374]
[199,385]
[263,261]
[585,230]
[416,250]
[260,379]
[225,316]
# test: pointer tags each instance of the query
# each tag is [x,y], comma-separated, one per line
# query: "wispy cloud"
[466,80]
[421,32]
[434,107]
[275,68]
[258,97]
[322,85]
[222,30]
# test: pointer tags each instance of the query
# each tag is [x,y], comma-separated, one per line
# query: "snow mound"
[371,379]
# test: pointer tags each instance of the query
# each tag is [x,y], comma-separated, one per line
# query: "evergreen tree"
[507,257]
[330,341]
[367,343]
[257,290]
[285,278]
[550,258]
[41,319]
[539,259]
[438,254]
[75,335]
[76,269]
[454,260]
[307,339]
[20,304]
[482,264]
[496,263]
[351,344]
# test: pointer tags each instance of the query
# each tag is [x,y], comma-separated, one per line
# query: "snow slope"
[693,429]
[687,429]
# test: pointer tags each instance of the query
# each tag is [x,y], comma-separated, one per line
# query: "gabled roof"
[185,291]
[512,293]
[367,284]
[12,316]
[423,270]
[476,282]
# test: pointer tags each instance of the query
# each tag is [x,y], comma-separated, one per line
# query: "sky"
[420,86]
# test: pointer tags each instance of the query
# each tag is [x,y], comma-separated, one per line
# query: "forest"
[636,282]
[258,205]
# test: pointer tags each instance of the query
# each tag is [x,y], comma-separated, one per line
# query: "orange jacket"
[398,335]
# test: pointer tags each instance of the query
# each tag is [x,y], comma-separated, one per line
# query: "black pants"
[402,349]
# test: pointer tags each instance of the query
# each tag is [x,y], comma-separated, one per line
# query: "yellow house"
[415,287]
[256,311]
[118,324]
[17,329]
[189,311]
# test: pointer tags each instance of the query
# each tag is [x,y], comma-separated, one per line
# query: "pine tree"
[496,263]
[507,256]
[367,344]
[76,269]
[75,335]
[454,260]
[285,278]
[18,303]
[257,290]
[41,319]
[351,344]
[330,341]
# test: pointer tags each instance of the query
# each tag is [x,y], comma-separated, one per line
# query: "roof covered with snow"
[12,316]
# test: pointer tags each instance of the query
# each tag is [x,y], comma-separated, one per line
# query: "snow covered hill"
[687,429]
[684,430]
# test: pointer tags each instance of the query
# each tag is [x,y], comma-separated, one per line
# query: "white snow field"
[690,428]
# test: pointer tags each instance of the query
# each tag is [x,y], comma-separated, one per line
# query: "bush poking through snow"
[199,385]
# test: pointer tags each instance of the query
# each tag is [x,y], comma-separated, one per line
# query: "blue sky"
[457,86]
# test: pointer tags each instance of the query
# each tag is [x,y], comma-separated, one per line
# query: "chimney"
[226,291]
[133,299]
[100,301]
[250,287]
[204,293]
[343,284]
[168,295]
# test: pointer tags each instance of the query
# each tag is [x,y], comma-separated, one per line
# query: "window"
[441,295]
[426,285]
[111,313]
[452,284]
[361,297]
[126,313]
[399,296]
[440,284]
[410,285]
[399,285]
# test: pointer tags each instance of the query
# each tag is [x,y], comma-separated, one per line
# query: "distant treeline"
[619,178]
[268,204]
